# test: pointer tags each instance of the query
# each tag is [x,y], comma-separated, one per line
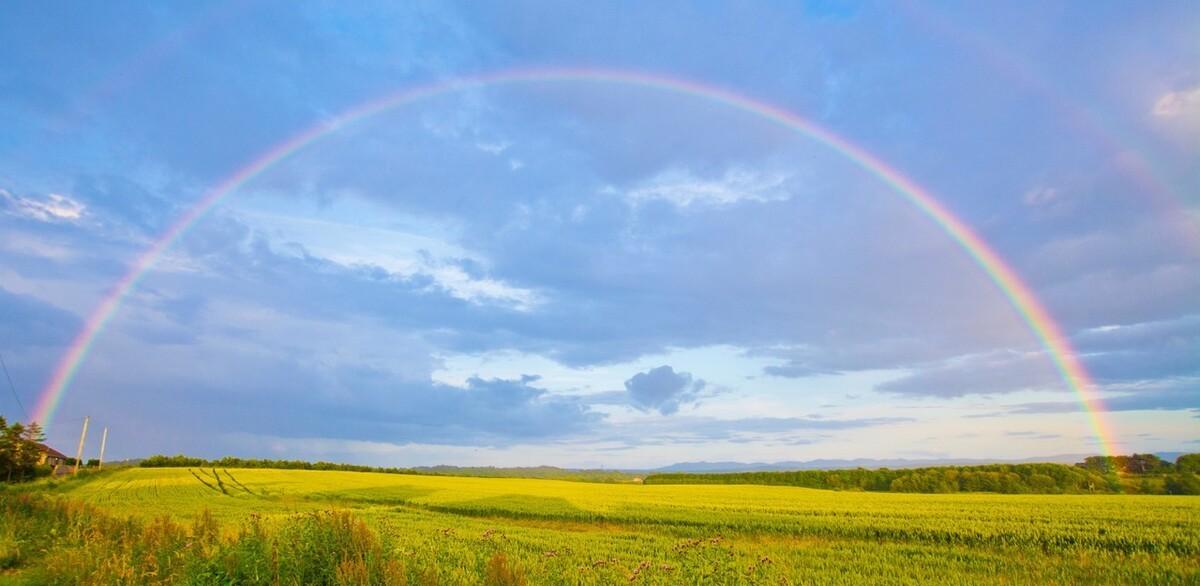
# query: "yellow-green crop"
[579,533]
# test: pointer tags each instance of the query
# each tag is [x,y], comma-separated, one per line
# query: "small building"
[50,456]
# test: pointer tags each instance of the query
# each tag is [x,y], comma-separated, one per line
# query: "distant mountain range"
[626,474]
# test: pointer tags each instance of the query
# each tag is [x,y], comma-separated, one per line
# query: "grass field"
[556,532]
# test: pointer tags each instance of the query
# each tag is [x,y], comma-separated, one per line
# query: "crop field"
[446,529]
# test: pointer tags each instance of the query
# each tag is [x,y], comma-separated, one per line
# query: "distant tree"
[1101,464]
[1188,463]
[1183,483]
[1042,483]
[1145,464]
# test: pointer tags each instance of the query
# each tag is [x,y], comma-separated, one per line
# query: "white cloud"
[1048,202]
[455,281]
[494,148]
[52,208]
[1040,196]
[683,188]
[1177,115]
[403,252]
[1185,103]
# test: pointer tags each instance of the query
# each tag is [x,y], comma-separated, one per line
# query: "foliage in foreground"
[450,530]
[68,542]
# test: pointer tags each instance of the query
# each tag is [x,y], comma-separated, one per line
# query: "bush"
[1184,483]
[501,573]
[74,543]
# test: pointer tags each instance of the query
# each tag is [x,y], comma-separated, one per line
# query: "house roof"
[51,452]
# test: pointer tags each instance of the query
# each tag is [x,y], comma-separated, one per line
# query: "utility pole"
[103,440]
[79,452]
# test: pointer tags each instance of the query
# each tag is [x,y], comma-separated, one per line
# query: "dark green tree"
[1183,483]
[1188,463]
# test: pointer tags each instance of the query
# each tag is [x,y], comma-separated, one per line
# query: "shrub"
[1184,483]
[502,573]
[79,544]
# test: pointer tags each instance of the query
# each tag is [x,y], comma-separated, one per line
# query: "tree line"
[20,451]
[1139,473]
[181,461]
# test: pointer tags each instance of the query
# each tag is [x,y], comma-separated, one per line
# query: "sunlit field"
[447,529]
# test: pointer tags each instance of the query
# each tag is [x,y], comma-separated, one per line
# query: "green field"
[556,532]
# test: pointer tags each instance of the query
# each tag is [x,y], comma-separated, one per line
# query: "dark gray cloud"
[833,357]
[662,389]
[1113,355]
[1170,395]
[1183,396]
[295,395]
[1001,372]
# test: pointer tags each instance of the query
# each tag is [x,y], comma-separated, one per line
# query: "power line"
[13,387]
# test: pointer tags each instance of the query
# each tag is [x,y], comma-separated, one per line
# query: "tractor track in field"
[206,483]
[238,483]
[111,494]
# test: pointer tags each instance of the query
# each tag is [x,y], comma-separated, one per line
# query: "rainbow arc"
[1018,294]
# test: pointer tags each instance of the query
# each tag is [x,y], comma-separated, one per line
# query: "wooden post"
[79,451]
[103,440]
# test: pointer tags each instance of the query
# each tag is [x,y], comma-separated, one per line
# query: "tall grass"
[289,527]
[59,541]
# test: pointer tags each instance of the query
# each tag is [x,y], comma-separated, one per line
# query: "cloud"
[493,148]
[1172,395]
[692,429]
[722,227]
[52,208]
[126,202]
[1162,349]
[1048,202]
[1178,117]
[334,387]
[455,280]
[663,389]
[29,321]
[1181,103]
[684,189]
[1040,196]
[840,356]
[1034,435]
[998,372]
[1116,356]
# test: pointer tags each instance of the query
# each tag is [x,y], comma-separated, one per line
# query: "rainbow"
[1018,294]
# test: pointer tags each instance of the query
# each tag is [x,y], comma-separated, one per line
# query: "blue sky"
[599,274]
